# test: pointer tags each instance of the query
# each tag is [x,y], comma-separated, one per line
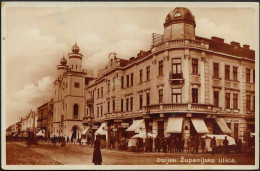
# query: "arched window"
[75,110]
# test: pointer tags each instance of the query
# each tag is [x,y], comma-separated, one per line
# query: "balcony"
[176,78]
[182,43]
[90,102]
[179,107]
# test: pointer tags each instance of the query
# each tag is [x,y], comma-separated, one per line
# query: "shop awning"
[101,130]
[20,134]
[223,126]
[15,134]
[85,130]
[174,125]
[41,133]
[199,125]
[137,126]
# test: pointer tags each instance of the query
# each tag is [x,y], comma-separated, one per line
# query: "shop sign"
[124,125]
[232,120]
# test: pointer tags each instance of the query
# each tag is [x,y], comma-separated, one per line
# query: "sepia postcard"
[130,85]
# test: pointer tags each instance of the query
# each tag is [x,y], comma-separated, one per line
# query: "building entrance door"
[75,131]
[161,128]
[235,130]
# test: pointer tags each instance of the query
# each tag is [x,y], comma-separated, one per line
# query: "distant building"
[45,118]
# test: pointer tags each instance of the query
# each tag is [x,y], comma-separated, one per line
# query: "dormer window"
[177,14]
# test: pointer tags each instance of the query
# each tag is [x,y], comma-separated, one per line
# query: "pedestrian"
[213,145]
[239,146]
[182,144]
[172,145]
[141,144]
[225,145]
[97,157]
[169,143]
[197,144]
[151,144]
[63,143]
[68,139]
[189,144]
[156,144]
[203,145]
[164,144]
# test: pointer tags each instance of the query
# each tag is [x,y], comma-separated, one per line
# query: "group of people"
[58,139]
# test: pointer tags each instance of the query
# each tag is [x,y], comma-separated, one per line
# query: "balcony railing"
[183,42]
[176,78]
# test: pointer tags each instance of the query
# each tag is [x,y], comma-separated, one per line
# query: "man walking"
[213,145]
[225,145]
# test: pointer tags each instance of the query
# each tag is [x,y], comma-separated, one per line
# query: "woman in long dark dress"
[97,158]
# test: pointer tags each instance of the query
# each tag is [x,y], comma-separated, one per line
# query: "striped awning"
[223,126]
[199,125]
[174,125]
[85,130]
[137,126]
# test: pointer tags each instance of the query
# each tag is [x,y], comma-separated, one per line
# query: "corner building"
[183,86]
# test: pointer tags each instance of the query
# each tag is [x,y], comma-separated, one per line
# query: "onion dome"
[63,61]
[179,15]
[75,48]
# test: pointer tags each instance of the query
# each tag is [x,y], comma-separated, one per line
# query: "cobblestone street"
[46,153]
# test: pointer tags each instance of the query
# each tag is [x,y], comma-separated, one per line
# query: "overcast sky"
[36,39]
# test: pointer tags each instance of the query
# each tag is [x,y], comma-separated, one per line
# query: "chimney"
[217,39]
[132,58]
[235,43]
[246,46]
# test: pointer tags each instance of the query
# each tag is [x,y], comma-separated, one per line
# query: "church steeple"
[75,59]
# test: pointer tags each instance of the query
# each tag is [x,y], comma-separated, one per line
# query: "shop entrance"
[74,132]
[160,128]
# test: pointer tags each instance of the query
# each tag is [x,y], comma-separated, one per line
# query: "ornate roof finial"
[75,48]
[63,61]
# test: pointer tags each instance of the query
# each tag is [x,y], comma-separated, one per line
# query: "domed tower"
[75,59]
[62,67]
[179,24]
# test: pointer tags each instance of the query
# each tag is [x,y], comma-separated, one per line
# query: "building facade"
[45,118]
[69,99]
[184,85]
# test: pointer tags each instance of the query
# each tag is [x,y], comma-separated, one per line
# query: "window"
[194,95]
[160,96]
[101,111]
[253,103]
[147,99]
[140,101]
[108,86]
[227,72]
[248,75]
[235,101]
[160,68]
[235,73]
[127,81]
[176,65]
[76,85]
[97,112]
[253,76]
[114,83]
[114,105]
[108,107]
[216,98]
[148,73]
[248,102]
[195,66]
[127,101]
[176,95]
[227,100]
[132,79]
[75,111]
[131,103]
[97,93]
[101,91]
[122,105]
[141,76]
[122,81]
[215,70]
